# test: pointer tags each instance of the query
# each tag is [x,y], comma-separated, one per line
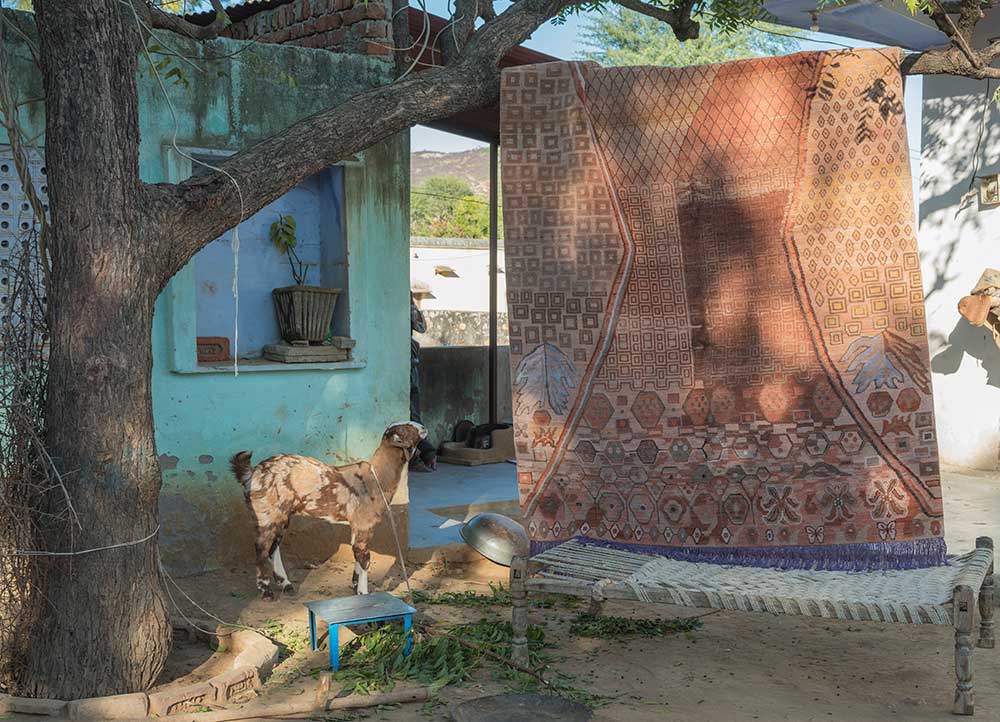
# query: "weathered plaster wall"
[956,243]
[335,412]
[454,386]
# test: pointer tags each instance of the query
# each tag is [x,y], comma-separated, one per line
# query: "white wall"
[956,244]
[471,290]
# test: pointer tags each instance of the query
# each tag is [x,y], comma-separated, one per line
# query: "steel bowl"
[520,708]
[496,537]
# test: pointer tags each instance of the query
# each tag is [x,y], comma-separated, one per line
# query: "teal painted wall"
[333,412]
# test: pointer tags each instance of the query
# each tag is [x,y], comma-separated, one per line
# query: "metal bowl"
[496,537]
[520,708]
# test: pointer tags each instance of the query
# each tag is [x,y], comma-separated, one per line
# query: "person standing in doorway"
[426,457]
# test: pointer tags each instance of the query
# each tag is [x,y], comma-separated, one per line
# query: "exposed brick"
[327,22]
[182,699]
[120,706]
[343,4]
[320,7]
[306,9]
[376,49]
[334,38]
[371,29]
[234,684]
[371,11]
[309,26]
[297,10]
[281,36]
[296,31]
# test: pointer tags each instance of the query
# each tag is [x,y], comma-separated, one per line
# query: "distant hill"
[472,166]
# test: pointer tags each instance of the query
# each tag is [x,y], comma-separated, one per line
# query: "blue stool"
[360,609]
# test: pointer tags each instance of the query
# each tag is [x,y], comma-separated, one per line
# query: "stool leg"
[334,642]
[407,622]
[519,613]
[987,592]
[312,631]
[964,603]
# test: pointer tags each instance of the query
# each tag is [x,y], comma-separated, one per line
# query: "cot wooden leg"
[964,605]
[597,598]
[519,613]
[987,594]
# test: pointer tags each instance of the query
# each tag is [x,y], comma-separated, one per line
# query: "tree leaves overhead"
[622,37]
[544,377]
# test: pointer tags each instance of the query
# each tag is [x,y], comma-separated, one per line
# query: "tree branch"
[189,215]
[161,19]
[679,19]
[949,60]
[947,26]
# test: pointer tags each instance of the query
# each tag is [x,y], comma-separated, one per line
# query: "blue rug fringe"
[871,556]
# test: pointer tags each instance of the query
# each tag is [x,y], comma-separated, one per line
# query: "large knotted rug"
[718,344]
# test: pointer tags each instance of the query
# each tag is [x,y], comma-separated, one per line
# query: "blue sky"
[565,41]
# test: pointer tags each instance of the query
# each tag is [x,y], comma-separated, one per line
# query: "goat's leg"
[362,558]
[264,545]
[280,575]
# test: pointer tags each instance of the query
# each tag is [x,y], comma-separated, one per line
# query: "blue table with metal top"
[360,609]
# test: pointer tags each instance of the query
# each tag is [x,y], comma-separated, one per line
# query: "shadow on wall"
[966,339]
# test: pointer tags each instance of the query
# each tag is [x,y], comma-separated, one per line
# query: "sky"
[565,41]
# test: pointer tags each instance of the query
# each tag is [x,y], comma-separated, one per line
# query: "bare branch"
[191,214]
[947,26]
[679,19]
[463,26]
[161,19]
[949,60]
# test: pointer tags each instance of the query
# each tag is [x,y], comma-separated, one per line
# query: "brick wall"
[345,26]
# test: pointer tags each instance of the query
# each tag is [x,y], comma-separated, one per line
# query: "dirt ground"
[737,667]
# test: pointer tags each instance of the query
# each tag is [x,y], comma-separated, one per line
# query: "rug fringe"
[862,557]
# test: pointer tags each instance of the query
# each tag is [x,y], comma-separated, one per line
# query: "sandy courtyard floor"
[736,667]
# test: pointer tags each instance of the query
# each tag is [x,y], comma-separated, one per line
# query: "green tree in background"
[622,37]
[445,207]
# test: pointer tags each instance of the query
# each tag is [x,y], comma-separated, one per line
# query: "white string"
[39,553]
[239,192]
[395,534]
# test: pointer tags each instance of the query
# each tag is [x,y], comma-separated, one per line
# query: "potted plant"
[304,312]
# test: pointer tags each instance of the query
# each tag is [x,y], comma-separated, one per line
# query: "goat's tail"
[241,466]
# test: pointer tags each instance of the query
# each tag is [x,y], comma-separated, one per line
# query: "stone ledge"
[254,657]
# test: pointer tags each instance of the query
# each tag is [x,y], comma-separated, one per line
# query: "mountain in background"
[471,166]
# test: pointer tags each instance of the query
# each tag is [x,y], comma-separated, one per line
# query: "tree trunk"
[105,629]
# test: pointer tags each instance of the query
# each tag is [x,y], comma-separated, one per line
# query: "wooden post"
[519,613]
[987,594]
[964,609]
[494,242]
[322,691]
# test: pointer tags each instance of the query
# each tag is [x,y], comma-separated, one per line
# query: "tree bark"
[105,629]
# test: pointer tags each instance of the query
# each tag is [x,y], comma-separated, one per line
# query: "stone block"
[262,657]
[119,706]
[235,683]
[181,699]
[41,706]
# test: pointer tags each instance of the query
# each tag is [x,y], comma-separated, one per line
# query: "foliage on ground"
[599,626]
[499,596]
[375,662]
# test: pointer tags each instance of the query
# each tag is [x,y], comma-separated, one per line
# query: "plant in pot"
[304,313]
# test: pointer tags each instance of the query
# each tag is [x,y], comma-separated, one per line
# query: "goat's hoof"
[288,589]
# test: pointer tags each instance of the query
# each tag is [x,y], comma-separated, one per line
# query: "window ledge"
[248,366]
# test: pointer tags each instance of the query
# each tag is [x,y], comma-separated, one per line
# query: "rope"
[40,553]
[395,534]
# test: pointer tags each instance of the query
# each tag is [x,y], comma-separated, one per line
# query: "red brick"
[334,38]
[343,4]
[327,22]
[296,31]
[376,49]
[371,29]
[371,11]
[282,36]
[306,9]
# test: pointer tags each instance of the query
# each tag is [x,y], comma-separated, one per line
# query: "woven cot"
[958,594]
